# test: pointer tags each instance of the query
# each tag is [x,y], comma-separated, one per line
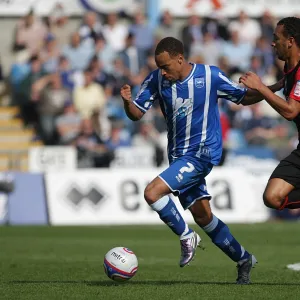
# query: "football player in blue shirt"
[188,95]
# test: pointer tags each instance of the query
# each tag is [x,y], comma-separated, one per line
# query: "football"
[120,264]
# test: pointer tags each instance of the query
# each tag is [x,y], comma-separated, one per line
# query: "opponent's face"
[171,67]
[281,44]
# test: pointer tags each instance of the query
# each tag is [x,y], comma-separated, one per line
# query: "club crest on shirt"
[297,89]
[166,83]
[199,82]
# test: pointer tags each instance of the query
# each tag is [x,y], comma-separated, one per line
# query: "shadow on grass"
[104,283]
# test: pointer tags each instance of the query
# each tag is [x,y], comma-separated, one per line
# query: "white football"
[120,264]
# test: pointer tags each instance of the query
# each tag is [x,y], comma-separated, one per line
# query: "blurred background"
[68,153]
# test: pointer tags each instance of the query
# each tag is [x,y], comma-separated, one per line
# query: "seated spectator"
[237,52]
[58,23]
[263,49]
[18,71]
[142,32]
[90,102]
[50,55]
[148,136]
[192,33]
[259,129]
[209,48]
[23,94]
[105,54]
[247,28]
[70,78]
[119,137]
[50,97]
[91,27]
[68,124]
[166,26]
[99,74]
[115,32]
[89,98]
[78,53]
[133,58]
[30,34]
[92,151]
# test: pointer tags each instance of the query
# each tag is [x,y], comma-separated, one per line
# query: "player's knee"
[150,195]
[203,219]
[272,199]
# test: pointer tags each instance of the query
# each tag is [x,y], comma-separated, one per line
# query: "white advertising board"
[231,8]
[104,196]
[52,158]
[71,7]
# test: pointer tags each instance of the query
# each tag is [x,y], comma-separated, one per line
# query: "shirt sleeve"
[295,92]
[148,92]
[229,90]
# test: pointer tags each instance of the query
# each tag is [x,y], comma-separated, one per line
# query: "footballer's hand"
[251,80]
[126,92]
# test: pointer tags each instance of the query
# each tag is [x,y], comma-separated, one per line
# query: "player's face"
[170,66]
[280,43]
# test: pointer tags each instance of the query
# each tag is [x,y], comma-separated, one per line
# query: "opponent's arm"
[132,111]
[288,109]
[254,96]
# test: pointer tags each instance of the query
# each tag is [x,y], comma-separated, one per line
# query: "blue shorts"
[186,179]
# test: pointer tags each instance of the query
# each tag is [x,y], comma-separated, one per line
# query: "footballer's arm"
[254,96]
[288,109]
[132,111]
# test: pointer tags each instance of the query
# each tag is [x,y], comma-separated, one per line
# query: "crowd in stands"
[67,86]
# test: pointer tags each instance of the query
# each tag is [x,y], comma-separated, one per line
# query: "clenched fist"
[126,92]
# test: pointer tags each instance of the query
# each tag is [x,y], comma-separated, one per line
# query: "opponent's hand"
[126,92]
[251,80]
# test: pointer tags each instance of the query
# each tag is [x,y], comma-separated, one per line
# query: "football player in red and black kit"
[283,188]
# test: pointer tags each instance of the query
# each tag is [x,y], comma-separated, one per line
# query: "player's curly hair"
[170,45]
[291,28]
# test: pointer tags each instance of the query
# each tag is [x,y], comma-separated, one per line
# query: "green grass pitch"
[66,263]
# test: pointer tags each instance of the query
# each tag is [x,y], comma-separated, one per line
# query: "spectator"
[90,102]
[50,97]
[68,124]
[248,29]
[209,49]
[120,137]
[267,25]
[148,136]
[142,32]
[90,98]
[115,32]
[257,67]
[50,55]
[132,57]
[70,78]
[23,95]
[217,26]
[30,34]
[105,54]
[19,70]
[192,33]
[58,24]
[166,27]
[92,151]
[100,76]
[264,50]
[259,129]
[79,54]
[91,27]
[237,52]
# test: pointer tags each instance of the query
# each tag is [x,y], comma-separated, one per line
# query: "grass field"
[66,263]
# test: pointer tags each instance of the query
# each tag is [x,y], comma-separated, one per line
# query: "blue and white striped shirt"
[190,108]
